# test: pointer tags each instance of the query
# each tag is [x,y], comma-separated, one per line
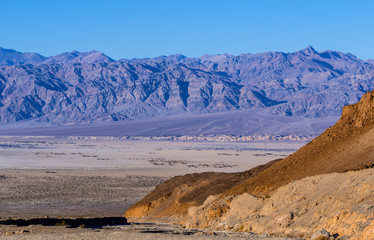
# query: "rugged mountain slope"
[89,87]
[77,57]
[11,57]
[348,145]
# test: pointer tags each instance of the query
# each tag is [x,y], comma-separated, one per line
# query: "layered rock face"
[90,87]
[272,201]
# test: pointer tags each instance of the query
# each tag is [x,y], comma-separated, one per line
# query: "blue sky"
[150,28]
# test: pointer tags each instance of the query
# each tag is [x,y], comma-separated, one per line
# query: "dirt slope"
[341,203]
[348,145]
[180,193]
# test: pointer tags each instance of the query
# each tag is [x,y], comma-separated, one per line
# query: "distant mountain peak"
[216,57]
[13,57]
[74,52]
[173,56]
[79,57]
[309,50]
[7,50]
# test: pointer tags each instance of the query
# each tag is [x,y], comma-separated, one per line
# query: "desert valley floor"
[61,177]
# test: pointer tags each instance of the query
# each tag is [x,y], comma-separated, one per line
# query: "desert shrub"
[62,223]
[239,229]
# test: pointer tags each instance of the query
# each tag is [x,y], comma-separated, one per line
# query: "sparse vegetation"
[62,223]
[239,229]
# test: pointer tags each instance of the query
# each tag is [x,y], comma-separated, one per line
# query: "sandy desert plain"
[51,177]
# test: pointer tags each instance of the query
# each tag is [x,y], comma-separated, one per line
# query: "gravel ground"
[125,235]
[134,232]
[70,193]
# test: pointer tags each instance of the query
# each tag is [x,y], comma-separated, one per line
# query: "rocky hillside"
[91,87]
[346,146]
[341,203]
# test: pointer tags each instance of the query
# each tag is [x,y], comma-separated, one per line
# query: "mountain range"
[91,87]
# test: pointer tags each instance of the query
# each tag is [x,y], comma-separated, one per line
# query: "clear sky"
[150,28]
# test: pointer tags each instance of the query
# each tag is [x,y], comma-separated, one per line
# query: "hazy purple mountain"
[90,87]
[77,57]
[12,57]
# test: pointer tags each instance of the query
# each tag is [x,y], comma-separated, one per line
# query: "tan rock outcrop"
[172,199]
[341,203]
